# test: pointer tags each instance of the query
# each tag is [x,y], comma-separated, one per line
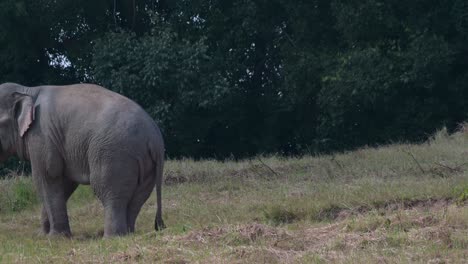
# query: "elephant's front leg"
[45,224]
[47,171]
[55,205]
[69,188]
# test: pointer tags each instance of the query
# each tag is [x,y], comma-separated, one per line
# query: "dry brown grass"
[400,203]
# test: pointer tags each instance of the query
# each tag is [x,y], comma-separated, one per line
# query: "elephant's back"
[89,102]
[102,119]
[91,97]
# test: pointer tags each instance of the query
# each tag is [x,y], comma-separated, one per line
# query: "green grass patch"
[17,193]
[281,215]
[399,203]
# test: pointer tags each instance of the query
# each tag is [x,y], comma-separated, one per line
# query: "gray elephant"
[84,134]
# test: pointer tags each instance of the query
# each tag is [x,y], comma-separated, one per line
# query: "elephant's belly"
[77,175]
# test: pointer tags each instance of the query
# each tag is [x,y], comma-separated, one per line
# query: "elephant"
[84,134]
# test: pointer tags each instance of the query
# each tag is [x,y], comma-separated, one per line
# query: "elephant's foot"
[60,233]
[60,230]
[64,233]
[115,234]
[114,230]
[115,221]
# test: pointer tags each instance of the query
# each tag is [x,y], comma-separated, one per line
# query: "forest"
[234,79]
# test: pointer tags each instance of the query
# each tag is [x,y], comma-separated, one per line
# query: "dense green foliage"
[237,78]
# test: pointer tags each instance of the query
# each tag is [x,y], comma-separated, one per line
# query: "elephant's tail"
[158,221]
[157,153]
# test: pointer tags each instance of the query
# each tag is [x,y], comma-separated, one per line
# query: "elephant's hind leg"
[142,193]
[114,183]
[115,220]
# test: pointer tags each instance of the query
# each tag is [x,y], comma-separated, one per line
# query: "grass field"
[399,203]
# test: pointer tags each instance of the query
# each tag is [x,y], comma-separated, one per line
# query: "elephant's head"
[16,116]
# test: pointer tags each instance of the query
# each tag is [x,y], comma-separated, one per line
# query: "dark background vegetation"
[232,79]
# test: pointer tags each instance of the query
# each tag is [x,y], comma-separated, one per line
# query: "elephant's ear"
[24,111]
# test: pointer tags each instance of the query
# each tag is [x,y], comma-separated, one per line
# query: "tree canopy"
[231,79]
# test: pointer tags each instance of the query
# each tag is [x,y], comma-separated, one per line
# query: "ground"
[400,203]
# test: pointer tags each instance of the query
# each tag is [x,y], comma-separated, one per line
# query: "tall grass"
[271,209]
[17,193]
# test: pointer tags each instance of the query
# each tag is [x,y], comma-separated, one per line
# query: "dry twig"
[268,167]
[415,160]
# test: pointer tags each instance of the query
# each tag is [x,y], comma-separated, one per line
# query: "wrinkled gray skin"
[84,134]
